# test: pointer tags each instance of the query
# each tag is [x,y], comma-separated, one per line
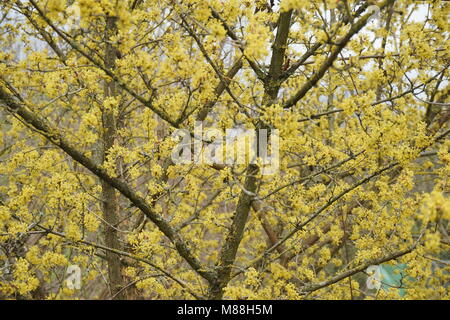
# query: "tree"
[93,95]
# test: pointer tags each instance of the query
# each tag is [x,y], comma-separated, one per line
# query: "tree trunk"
[109,195]
[234,237]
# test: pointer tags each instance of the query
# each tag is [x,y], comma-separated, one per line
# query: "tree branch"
[355,28]
[55,137]
[349,273]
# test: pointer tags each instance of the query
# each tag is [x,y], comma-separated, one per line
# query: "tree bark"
[109,195]
[234,237]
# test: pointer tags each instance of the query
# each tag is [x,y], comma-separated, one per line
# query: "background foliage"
[91,91]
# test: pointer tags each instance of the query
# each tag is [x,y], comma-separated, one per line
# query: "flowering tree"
[91,93]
